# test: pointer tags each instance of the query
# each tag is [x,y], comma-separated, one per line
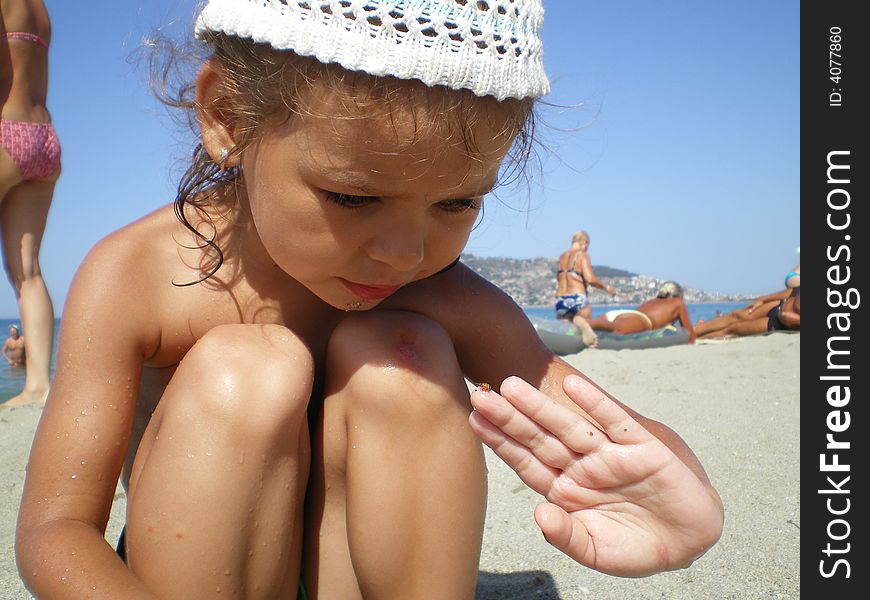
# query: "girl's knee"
[247,376]
[396,359]
[398,341]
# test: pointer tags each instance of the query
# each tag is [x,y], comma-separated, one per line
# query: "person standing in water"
[13,348]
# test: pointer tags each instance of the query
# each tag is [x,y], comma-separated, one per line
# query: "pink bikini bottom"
[34,148]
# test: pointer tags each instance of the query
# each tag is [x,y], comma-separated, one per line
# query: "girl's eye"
[349,201]
[355,202]
[460,205]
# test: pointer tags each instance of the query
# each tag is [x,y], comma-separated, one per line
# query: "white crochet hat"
[491,47]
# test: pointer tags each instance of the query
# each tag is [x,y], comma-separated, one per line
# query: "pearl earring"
[224,155]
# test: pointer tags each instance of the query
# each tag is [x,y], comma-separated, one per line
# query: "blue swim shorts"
[568,306]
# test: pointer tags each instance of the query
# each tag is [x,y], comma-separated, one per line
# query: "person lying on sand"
[771,312]
[666,308]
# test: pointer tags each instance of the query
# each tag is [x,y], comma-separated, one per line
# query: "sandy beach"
[736,403]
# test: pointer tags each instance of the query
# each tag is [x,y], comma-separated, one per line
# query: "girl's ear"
[217,129]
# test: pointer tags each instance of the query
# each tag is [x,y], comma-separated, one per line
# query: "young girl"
[275,366]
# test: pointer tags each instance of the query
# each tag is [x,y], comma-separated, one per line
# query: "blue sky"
[676,147]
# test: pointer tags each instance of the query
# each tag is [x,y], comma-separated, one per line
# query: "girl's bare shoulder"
[135,253]
[127,277]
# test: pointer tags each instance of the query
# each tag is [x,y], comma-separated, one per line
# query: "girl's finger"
[617,423]
[571,428]
[549,445]
[533,472]
[564,533]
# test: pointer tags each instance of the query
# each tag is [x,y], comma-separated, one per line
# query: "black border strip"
[834,227]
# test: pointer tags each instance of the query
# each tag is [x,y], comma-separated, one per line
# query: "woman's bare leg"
[754,327]
[601,324]
[716,327]
[23,214]
[217,487]
[398,489]
[739,327]
[581,322]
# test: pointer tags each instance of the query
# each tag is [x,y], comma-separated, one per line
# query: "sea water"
[12,378]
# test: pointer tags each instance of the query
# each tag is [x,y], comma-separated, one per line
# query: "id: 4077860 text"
[835,65]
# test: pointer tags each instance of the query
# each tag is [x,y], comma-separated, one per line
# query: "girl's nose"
[399,245]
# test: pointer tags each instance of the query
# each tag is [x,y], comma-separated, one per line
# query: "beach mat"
[562,338]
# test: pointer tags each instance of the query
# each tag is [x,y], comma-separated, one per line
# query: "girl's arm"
[495,340]
[628,493]
[82,437]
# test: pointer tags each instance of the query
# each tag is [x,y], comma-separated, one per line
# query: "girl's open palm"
[618,499]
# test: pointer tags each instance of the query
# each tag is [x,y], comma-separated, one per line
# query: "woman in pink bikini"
[29,168]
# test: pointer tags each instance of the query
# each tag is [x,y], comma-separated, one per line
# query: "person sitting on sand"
[789,311]
[573,280]
[278,374]
[771,312]
[666,308]
[13,347]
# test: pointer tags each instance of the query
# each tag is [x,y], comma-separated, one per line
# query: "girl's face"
[355,209]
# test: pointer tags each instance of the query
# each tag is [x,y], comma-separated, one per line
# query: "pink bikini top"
[26,36]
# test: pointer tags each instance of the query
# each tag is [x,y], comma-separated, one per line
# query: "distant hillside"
[532,282]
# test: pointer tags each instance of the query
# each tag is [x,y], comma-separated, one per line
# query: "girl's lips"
[370,292]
